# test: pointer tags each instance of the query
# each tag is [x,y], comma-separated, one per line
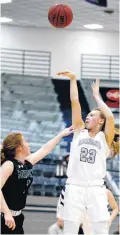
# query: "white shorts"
[85,221]
[79,200]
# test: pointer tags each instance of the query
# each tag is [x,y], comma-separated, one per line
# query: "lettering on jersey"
[90,142]
[24,174]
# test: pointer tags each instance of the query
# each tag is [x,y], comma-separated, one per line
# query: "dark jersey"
[16,187]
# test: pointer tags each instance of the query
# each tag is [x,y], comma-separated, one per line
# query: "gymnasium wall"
[65,46]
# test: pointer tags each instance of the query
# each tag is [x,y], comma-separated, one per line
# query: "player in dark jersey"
[16,177]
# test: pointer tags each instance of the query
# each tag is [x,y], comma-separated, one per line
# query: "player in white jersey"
[85,190]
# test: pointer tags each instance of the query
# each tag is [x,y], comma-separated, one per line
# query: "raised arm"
[5,171]
[109,125]
[113,206]
[75,104]
[49,146]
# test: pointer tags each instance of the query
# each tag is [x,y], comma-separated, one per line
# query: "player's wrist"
[8,213]
[73,77]
[96,96]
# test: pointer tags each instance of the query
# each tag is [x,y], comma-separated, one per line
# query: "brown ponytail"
[10,143]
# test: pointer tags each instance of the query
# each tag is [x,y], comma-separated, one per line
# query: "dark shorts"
[19,225]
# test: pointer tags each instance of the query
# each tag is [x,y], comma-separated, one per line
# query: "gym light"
[93,26]
[5,20]
[5,1]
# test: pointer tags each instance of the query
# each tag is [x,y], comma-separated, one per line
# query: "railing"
[25,62]
[101,66]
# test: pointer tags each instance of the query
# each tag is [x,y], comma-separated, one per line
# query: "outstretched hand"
[67,73]
[95,88]
[68,131]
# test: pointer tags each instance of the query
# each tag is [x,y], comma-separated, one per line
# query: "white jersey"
[87,162]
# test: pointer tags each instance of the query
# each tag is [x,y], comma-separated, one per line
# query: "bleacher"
[29,105]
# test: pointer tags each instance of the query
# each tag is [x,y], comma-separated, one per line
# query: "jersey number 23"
[87,155]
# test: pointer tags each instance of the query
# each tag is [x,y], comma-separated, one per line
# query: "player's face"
[93,119]
[25,147]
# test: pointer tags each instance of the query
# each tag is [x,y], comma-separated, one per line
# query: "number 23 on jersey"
[87,155]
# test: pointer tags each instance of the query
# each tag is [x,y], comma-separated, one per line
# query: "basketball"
[60,15]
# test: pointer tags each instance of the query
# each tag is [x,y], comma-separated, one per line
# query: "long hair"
[9,145]
[115,146]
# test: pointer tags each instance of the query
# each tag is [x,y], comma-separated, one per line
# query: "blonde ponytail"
[115,147]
